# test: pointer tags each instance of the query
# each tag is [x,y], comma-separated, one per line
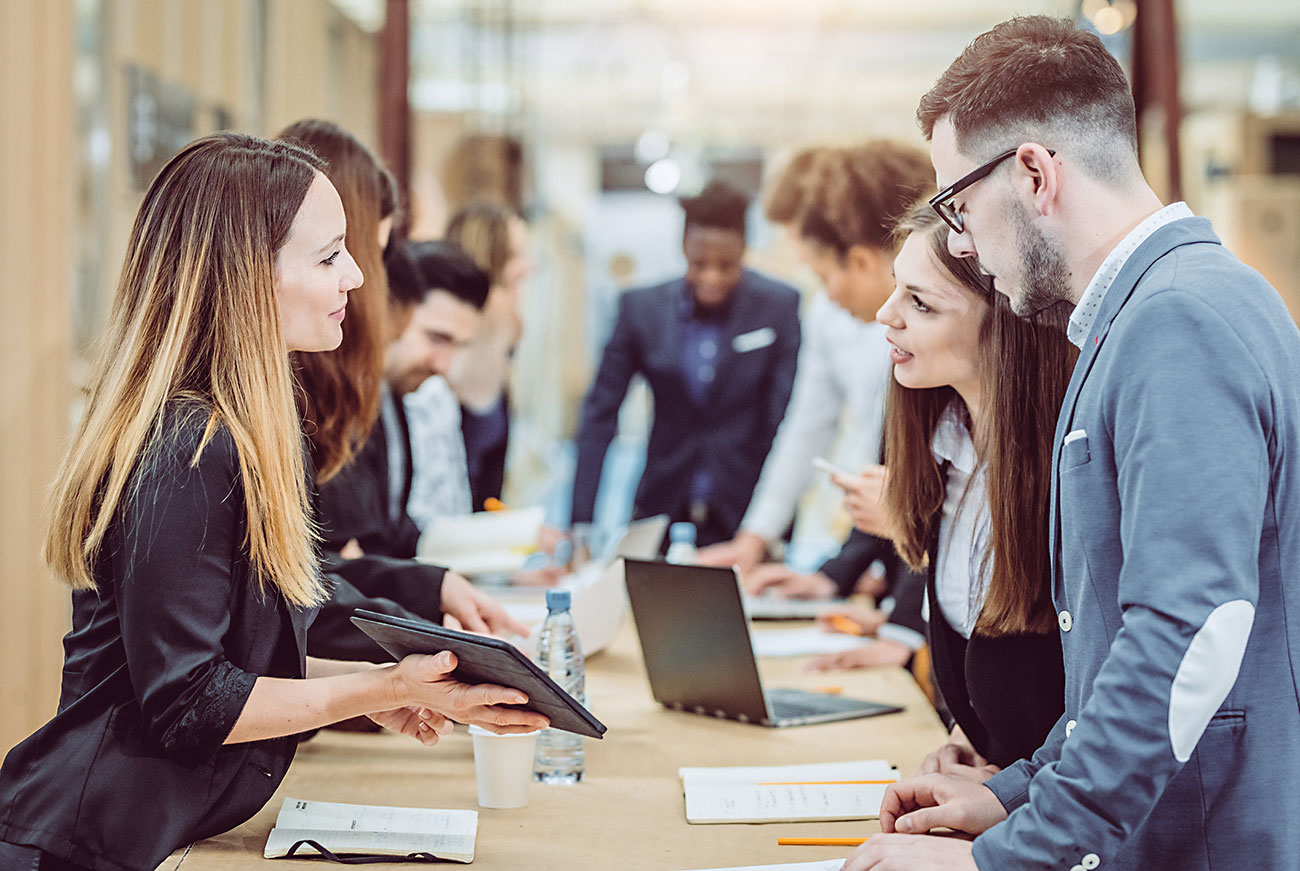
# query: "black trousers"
[15,857]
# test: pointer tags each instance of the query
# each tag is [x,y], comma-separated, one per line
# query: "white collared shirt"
[961,573]
[839,390]
[1085,313]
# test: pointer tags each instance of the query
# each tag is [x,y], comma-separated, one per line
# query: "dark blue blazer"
[730,433]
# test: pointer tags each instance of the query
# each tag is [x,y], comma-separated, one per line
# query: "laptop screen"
[695,639]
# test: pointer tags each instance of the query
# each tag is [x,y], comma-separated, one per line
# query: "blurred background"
[588,116]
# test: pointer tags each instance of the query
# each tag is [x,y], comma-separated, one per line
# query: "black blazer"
[354,503]
[158,666]
[729,434]
[907,587]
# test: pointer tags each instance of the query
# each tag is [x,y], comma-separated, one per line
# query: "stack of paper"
[364,830]
[787,793]
[804,642]
[485,542]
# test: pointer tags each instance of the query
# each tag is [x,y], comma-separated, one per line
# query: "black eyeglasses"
[942,201]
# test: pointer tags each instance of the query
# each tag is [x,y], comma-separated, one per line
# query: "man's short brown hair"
[1031,76]
[856,195]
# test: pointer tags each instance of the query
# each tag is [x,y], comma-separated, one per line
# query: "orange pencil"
[820,842]
[840,623]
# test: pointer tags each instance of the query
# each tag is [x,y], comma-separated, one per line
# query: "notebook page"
[859,769]
[731,803]
[298,813]
[453,847]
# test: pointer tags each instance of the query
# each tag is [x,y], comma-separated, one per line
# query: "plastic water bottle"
[559,756]
[681,544]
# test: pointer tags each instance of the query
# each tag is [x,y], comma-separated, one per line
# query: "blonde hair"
[195,317]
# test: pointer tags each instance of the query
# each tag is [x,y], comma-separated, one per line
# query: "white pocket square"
[753,340]
[1076,435]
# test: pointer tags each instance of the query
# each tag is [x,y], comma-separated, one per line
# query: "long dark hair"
[1025,366]
[340,389]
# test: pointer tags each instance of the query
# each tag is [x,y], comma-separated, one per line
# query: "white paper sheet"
[804,642]
[353,828]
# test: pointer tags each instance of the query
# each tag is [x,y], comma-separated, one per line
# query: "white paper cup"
[503,765]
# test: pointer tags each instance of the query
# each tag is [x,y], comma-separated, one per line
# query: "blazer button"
[1090,861]
[1069,727]
[1065,620]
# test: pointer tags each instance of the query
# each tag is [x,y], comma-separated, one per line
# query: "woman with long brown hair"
[341,393]
[181,521]
[968,434]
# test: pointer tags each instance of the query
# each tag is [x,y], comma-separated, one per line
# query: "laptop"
[699,656]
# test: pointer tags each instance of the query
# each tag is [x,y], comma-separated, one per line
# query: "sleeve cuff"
[1011,785]
[209,720]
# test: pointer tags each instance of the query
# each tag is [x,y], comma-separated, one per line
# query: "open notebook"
[787,793]
[316,828]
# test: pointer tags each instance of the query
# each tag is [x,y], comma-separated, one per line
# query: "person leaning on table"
[1175,516]
[180,520]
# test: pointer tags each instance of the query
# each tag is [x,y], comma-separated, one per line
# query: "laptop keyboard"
[810,705]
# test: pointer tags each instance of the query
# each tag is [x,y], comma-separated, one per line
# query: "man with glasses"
[1175,517]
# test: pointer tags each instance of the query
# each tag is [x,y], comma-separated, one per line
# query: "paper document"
[485,542]
[829,865]
[599,605]
[786,793]
[353,829]
[777,608]
[804,642]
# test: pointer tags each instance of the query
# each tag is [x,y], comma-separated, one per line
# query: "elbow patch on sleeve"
[1207,672]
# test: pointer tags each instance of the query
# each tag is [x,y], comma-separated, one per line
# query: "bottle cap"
[558,600]
[682,531]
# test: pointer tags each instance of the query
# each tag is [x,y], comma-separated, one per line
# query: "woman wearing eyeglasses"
[968,429]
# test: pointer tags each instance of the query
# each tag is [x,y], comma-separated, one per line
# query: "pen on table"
[820,842]
[830,691]
[840,623]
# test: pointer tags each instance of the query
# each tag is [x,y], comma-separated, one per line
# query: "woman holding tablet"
[181,521]
[968,434]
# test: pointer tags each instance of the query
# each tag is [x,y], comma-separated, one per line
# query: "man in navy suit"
[1175,511]
[718,349]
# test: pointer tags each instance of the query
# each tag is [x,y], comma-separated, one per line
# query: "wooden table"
[628,812]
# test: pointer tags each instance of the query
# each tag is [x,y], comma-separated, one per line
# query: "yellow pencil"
[820,842]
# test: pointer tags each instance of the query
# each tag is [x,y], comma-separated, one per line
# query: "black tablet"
[480,659]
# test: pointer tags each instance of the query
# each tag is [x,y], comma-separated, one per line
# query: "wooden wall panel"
[309,60]
[36,175]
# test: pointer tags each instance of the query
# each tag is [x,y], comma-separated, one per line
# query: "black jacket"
[729,434]
[158,666]
[354,503]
